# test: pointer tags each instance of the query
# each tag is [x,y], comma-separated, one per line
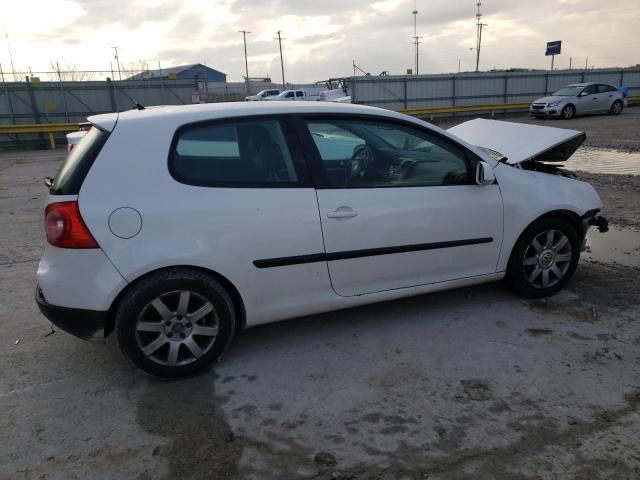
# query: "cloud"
[322,39]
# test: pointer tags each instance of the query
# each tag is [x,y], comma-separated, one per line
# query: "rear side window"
[299,94]
[77,164]
[233,154]
[605,88]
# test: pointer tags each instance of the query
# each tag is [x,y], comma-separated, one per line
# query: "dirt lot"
[474,383]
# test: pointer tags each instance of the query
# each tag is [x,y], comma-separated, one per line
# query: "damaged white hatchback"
[178,226]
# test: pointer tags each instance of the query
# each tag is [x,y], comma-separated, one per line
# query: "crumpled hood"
[519,142]
[550,99]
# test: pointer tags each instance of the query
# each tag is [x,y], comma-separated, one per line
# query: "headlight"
[554,104]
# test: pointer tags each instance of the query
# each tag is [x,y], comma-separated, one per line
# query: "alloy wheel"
[177,328]
[568,111]
[547,259]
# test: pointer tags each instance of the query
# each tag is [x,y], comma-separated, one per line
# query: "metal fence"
[405,92]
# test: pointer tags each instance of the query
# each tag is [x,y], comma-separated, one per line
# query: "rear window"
[77,164]
[233,154]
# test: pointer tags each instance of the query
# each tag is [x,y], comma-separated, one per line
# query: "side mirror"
[484,174]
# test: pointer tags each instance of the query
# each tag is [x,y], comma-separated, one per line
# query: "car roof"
[182,114]
[582,84]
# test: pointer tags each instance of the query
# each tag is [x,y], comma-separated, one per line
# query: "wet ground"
[619,246]
[598,160]
[475,383]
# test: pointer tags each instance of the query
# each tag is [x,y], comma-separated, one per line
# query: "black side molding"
[368,252]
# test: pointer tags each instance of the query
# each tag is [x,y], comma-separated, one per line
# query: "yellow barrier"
[49,128]
[478,108]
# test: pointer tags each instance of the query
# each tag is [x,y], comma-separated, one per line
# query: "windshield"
[568,91]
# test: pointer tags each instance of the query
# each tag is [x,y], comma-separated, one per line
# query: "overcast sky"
[322,36]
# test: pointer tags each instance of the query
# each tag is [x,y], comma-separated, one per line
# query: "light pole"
[246,63]
[284,85]
[479,26]
[416,38]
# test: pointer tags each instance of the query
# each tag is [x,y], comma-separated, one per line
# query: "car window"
[605,88]
[567,91]
[363,153]
[289,94]
[77,164]
[299,94]
[241,153]
[591,89]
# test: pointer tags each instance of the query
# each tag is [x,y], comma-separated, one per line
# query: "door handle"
[342,212]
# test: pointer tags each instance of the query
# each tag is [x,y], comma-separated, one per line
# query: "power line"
[246,63]
[115,49]
[284,85]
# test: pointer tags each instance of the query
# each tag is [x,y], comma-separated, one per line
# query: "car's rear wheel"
[175,322]
[544,258]
[568,112]
[616,108]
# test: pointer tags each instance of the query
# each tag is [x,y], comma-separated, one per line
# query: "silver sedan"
[579,99]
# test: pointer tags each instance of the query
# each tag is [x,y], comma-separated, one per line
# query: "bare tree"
[133,68]
[67,72]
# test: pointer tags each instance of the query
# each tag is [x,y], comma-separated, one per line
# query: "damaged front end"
[530,147]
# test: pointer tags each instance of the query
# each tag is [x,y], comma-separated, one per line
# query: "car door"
[605,97]
[399,206]
[587,100]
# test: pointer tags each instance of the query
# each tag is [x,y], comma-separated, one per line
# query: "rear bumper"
[85,324]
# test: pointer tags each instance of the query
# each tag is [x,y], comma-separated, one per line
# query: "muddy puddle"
[618,245]
[604,161]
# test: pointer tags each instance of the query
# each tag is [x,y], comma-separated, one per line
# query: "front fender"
[528,195]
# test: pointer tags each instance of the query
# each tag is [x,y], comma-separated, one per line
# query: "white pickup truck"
[262,95]
[301,94]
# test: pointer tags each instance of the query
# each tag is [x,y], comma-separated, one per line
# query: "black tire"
[168,285]
[519,273]
[616,107]
[568,112]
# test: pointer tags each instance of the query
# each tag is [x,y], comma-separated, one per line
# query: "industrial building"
[183,72]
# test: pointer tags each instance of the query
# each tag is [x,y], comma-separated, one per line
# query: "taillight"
[65,227]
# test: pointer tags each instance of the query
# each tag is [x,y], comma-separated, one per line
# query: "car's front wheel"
[175,322]
[568,112]
[544,258]
[616,108]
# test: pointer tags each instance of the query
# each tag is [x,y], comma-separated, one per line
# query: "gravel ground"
[474,383]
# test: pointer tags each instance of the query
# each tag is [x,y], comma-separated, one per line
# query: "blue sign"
[553,48]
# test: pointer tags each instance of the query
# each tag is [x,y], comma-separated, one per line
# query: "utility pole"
[246,63]
[13,68]
[569,63]
[479,26]
[284,85]
[416,38]
[115,49]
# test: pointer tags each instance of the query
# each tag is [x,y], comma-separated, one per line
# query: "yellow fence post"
[52,141]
